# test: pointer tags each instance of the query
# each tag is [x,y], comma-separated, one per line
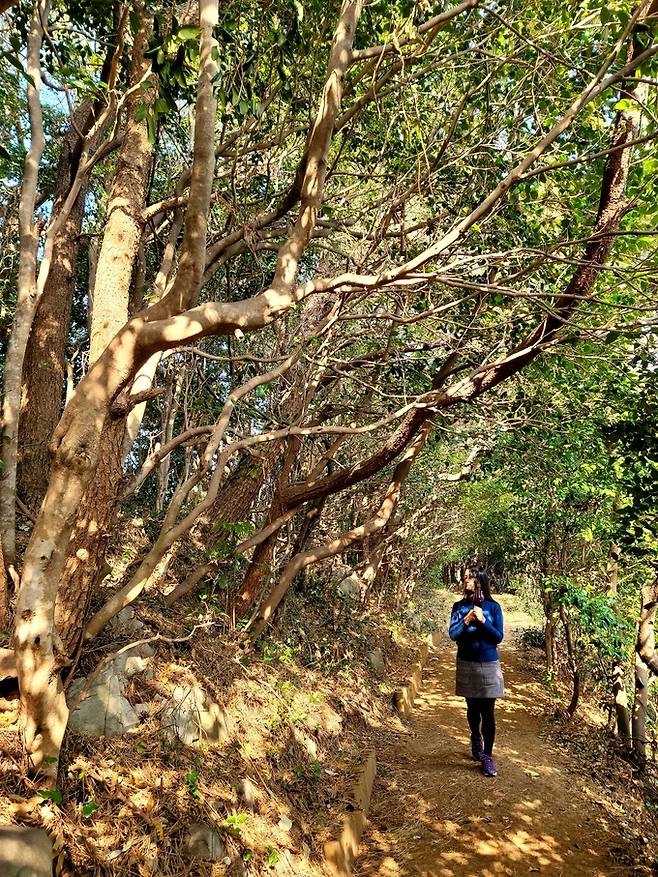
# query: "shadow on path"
[435,815]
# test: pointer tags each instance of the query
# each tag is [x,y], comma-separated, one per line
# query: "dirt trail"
[435,815]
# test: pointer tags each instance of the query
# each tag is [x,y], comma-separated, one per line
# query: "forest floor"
[302,710]
[435,815]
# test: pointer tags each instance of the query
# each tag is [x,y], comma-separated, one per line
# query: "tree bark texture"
[573,662]
[123,221]
[620,700]
[5,614]
[646,643]
[44,368]
[89,540]
[646,660]
[27,291]
[640,704]
[259,567]
[116,260]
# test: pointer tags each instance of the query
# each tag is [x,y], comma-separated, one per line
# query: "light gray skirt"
[475,679]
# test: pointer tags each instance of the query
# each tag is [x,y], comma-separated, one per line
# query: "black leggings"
[480,710]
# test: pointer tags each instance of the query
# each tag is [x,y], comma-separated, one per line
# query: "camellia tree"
[312,233]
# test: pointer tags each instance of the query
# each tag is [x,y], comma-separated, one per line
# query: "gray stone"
[350,586]
[377,662]
[203,842]
[339,572]
[25,852]
[126,622]
[105,712]
[247,792]
[193,717]
[145,650]
[134,665]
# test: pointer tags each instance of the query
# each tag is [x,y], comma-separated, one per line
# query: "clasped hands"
[476,614]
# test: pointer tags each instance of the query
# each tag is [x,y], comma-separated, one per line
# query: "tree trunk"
[621,707]
[91,534]
[646,644]
[639,722]
[119,249]
[646,660]
[191,582]
[549,633]
[27,289]
[44,368]
[5,614]
[169,411]
[612,569]
[372,568]
[619,696]
[76,441]
[256,576]
[573,662]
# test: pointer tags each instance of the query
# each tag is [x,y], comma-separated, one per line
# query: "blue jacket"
[477,641]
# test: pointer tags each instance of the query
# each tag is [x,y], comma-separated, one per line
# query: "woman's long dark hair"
[482,590]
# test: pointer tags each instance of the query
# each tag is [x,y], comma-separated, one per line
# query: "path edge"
[404,695]
[339,855]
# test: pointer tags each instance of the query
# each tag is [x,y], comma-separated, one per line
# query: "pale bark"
[161,326]
[370,571]
[32,285]
[111,295]
[282,289]
[640,704]
[27,290]
[169,411]
[191,582]
[5,614]
[123,222]
[612,206]
[646,660]
[646,645]
[190,436]
[619,696]
[146,374]
[620,700]
[38,664]
[172,530]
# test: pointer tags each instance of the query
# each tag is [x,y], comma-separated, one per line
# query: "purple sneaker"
[477,748]
[488,766]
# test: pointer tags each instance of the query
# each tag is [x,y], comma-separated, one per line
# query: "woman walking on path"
[476,624]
